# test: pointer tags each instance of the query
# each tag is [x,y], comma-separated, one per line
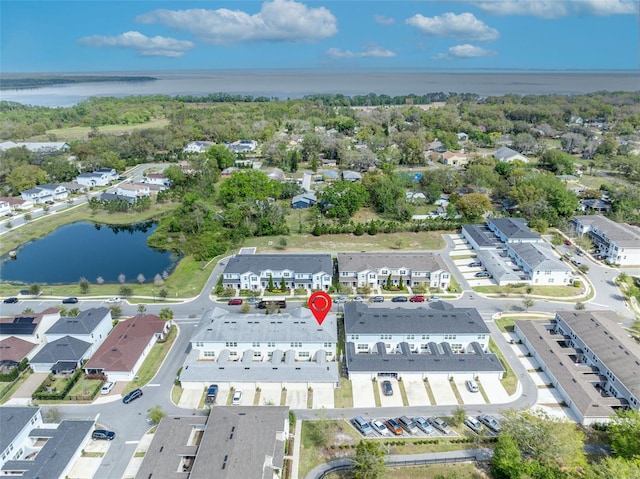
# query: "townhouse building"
[618,243]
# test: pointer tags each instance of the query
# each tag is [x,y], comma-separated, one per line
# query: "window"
[233,354]
[296,344]
[271,344]
[425,336]
[254,278]
[385,336]
[209,354]
[286,275]
[363,347]
[482,336]
[456,347]
[255,345]
[448,337]
[231,344]
[327,345]
[344,273]
[410,336]
[355,336]
[199,344]
[424,347]
[303,354]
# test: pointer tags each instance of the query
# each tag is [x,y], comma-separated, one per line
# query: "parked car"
[473,424]
[567,242]
[576,263]
[235,302]
[408,425]
[380,427]
[357,299]
[103,434]
[423,424]
[361,425]
[132,396]
[237,397]
[491,422]
[253,300]
[579,252]
[394,427]
[107,387]
[475,264]
[472,385]
[340,299]
[387,389]
[71,300]
[378,299]
[11,300]
[115,299]
[483,274]
[399,299]
[439,424]
[435,297]
[212,394]
[417,299]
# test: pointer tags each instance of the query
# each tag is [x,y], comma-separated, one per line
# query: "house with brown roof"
[127,346]
[29,326]
[454,159]
[13,350]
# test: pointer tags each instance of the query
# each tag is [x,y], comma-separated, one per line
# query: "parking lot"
[419,433]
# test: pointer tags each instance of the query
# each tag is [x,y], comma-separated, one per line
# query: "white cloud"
[382,20]
[558,8]
[143,45]
[469,51]
[277,21]
[372,51]
[465,25]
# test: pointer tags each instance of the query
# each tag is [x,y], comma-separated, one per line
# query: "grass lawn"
[456,393]
[343,396]
[376,393]
[506,323]
[151,365]
[427,386]
[403,393]
[81,132]
[7,389]
[84,389]
[509,381]
[550,291]
[440,471]
[176,394]
[424,240]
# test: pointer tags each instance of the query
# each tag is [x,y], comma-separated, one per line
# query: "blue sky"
[436,35]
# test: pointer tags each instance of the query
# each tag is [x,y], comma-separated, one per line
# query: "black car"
[11,300]
[133,395]
[103,434]
[71,300]
[387,389]
[399,299]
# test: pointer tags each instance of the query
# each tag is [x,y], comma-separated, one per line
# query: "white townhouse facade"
[373,269]
[513,230]
[618,243]
[439,323]
[133,191]
[539,263]
[91,326]
[234,334]
[254,271]
[93,179]
[5,208]
[43,193]
[16,423]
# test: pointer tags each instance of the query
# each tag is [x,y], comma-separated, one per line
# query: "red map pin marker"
[320,305]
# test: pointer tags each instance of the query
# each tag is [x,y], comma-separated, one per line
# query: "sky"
[428,35]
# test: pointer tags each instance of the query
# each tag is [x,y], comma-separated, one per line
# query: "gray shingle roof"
[440,359]
[300,263]
[612,344]
[415,261]
[53,458]
[482,235]
[440,317]
[12,421]
[622,233]
[63,349]
[294,325]
[539,257]
[84,323]
[513,228]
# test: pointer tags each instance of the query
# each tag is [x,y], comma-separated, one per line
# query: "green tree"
[624,434]
[126,290]
[248,185]
[270,287]
[166,314]
[84,285]
[73,312]
[116,310]
[24,177]
[155,414]
[368,462]
[221,156]
[558,162]
[163,293]
[528,303]
[342,199]
[473,206]
[506,462]
[614,468]
[35,289]
[458,415]
[388,284]
[142,308]
[283,284]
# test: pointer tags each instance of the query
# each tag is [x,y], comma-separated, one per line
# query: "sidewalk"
[297,442]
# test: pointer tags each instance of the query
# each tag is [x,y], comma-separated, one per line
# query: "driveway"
[190,398]
[323,397]
[22,397]
[270,394]
[442,391]
[416,392]
[395,400]
[248,395]
[297,395]
[362,390]
[467,396]
[86,467]
[495,391]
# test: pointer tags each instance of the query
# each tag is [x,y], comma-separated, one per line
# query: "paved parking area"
[549,396]
[323,397]
[270,394]
[495,391]
[86,467]
[248,395]
[520,349]
[362,390]
[395,400]
[540,379]
[190,398]
[416,392]
[442,391]
[467,396]
[297,395]
[223,395]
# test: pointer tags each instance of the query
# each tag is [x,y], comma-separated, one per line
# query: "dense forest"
[383,137]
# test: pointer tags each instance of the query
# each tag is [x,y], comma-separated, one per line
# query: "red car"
[417,299]
[567,242]
[235,302]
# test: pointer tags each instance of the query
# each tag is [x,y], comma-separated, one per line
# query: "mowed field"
[81,132]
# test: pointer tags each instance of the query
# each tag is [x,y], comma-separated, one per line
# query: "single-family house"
[91,326]
[541,265]
[304,200]
[33,450]
[13,350]
[375,269]
[120,356]
[242,146]
[62,355]
[198,146]
[417,343]
[107,197]
[46,147]
[44,193]
[618,243]
[595,206]
[352,176]
[29,326]
[256,271]
[450,158]
[330,175]
[505,154]
[237,443]
[276,174]
[5,208]
[157,179]
[93,179]
[17,204]
[133,190]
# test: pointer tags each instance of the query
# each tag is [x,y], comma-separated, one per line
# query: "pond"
[91,251]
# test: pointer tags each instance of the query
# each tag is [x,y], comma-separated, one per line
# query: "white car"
[237,397]
[380,427]
[115,299]
[472,385]
[107,387]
